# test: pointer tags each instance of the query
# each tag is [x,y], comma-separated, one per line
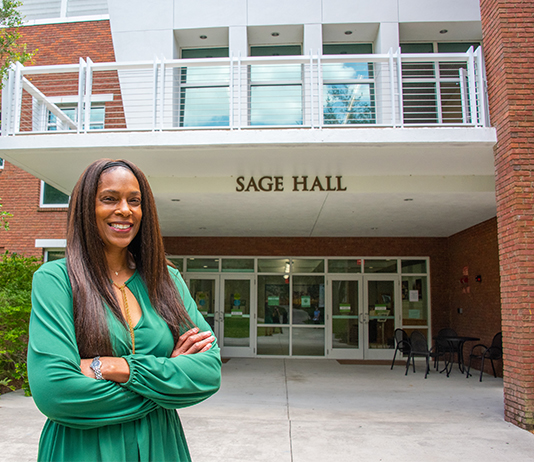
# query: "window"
[276,89]
[52,197]
[96,120]
[1,163]
[432,93]
[54,254]
[204,91]
[349,89]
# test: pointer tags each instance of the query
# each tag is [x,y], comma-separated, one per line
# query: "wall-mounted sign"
[298,183]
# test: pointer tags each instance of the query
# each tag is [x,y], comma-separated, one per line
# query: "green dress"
[99,420]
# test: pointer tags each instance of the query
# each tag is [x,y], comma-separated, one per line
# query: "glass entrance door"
[378,316]
[345,339]
[237,304]
[204,290]
[227,302]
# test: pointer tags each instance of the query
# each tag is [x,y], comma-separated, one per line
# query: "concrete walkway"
[319,410]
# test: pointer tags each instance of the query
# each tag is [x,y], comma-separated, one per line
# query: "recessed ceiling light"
[202,227]
[443,31]
[348,32]
[275,34]
[374,229]
[408,200]
[175,200]
[203,37]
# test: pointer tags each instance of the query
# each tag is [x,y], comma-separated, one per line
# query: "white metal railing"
[314,91]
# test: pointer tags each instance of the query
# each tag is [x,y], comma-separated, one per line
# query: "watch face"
[96,363]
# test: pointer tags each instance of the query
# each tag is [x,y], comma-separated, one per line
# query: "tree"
[3,219]
[11,50]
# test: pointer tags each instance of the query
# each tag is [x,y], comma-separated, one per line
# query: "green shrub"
[16,274]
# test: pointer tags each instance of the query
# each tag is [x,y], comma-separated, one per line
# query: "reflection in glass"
[308,341]
[273,265]
[413,266]
[237,312]
[273,300]
[380,266]
[276,105]
[205,107]
[414,301]
[349,104]
[347,71]
[307,265]
[345,314]
[269,344]
[381,309]
[238,265]
[308,300]
[345,266]
[206,265]
[203,292]
[178,262]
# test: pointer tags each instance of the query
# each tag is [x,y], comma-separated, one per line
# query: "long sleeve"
[181,381]
[59,388]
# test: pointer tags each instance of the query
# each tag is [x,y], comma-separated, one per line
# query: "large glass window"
[204,90]
[202,265]
[276,89]
[349,89]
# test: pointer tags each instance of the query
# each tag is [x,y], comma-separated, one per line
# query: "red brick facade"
[474,307]
[20,194]
[508,38]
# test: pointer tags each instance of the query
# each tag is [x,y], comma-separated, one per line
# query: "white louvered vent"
[40,9]
[85,8]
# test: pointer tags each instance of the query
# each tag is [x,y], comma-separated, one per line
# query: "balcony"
[393,90]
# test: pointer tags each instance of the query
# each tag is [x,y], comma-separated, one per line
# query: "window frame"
[50,206]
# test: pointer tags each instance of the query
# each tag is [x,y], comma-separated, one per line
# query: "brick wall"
[508,39]
[19,194]
[474,251]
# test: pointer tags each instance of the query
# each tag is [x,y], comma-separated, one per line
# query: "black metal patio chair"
[482,352]
[419,347]
[402,344]
[444,348]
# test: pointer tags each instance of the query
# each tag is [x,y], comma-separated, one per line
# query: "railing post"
[320,117]
[392,85]
[162,93]
[17,98]
[240,90]
[81,86]
[7,103]
[88,92]
[463,94]
[154,93]
[231,91]
[481,87]
[312,114]
[399,83]
[472,84]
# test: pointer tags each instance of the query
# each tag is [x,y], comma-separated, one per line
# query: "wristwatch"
[96,365]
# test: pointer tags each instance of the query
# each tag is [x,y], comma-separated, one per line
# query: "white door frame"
[218,309]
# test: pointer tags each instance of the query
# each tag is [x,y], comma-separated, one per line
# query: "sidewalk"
[319,410]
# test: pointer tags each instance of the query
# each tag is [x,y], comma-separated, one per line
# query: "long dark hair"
[87,265]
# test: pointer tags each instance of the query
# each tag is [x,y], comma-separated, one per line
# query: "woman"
[116,342]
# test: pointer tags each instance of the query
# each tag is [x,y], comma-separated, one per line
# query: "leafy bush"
[16,274]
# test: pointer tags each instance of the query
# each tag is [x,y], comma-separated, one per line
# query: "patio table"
[456,343]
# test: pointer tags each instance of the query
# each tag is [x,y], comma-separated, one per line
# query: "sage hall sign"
[298,184]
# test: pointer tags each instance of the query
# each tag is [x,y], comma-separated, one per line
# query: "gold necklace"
[128,317]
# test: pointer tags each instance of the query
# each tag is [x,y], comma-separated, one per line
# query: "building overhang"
[360,181]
